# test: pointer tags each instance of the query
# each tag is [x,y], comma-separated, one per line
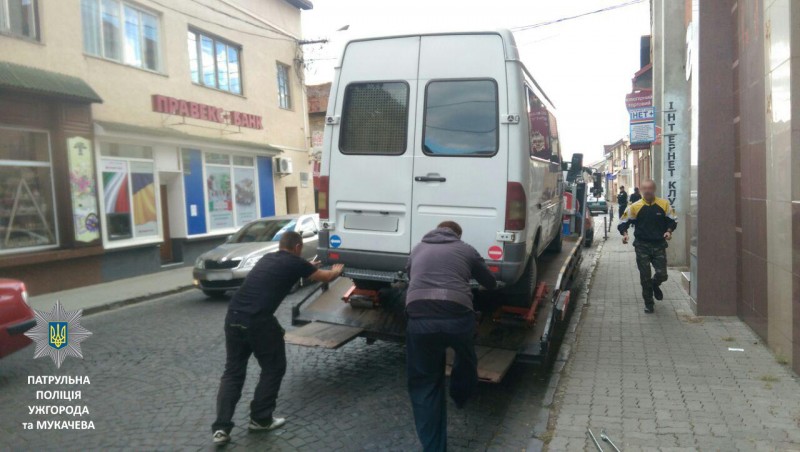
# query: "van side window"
[374,119]
[461,118]
[539,120]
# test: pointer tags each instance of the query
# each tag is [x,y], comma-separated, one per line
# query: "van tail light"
[322,197]
[516,207]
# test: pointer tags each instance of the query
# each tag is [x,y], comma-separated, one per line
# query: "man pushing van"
[440,316]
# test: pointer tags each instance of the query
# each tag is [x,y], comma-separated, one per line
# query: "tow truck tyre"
[521,293]
[216,294]
[556,244]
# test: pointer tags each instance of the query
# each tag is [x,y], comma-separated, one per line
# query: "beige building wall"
[126,90]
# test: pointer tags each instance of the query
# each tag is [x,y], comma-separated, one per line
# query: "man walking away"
[655,220]
[251,328]
[635,196]
[440,315]
[622,200]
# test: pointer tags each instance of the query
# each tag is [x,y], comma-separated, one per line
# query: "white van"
[432,127]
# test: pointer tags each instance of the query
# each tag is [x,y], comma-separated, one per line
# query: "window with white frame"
[127,177]
[214,62]
[123,32]
[284,91]
[27,203]
[231,192]
[20,18]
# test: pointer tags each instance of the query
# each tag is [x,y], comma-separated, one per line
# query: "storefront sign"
[642,117]
[671,154]
[83,189]
[204,112]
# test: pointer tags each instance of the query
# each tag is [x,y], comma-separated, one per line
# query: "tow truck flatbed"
[326,321]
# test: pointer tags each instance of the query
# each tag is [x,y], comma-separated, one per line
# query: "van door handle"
[430,179]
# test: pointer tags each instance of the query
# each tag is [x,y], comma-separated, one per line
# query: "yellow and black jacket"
[652,220]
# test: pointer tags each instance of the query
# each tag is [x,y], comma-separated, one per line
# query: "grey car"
[225,267]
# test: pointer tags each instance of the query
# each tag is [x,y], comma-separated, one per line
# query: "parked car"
[597,205]
[16,317]
[450,127]
[225,267]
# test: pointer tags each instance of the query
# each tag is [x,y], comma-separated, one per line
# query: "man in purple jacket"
[440,315]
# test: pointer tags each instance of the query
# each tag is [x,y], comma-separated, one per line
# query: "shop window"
[284,90]
[232,195]
[214,62]
[27,205]
[121,32]
[20,18]
[129,194]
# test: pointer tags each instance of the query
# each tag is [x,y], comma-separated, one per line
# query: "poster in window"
[220,203]
[244,181]
[540,133]
[145,218]
[117,199]
[82,188]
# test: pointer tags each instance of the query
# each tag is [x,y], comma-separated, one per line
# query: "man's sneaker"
[657,293]
[268,425]
[221,437]
[649,309]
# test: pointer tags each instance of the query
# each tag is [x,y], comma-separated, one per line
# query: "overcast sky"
[585,65]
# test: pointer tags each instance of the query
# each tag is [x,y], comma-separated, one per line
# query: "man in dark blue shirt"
[251,328]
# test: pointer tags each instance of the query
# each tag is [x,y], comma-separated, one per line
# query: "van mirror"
[308,233]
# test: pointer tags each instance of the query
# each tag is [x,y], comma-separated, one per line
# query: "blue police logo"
[335,241]
[58,337]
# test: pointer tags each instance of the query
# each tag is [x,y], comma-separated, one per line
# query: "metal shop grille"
[375,118]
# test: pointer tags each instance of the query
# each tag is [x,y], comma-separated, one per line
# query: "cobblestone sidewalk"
[669,380]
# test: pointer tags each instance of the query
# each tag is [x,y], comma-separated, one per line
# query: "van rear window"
[374,118]
[461,118]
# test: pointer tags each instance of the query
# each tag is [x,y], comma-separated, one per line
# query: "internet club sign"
[195,110]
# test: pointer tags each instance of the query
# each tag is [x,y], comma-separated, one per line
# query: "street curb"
[112,305]
[537,443]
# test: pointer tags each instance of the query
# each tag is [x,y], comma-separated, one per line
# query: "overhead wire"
[564,19]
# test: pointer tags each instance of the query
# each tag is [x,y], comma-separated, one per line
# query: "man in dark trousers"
[622,200]
[440,315]
[635,196]
[655,220]
[251,328]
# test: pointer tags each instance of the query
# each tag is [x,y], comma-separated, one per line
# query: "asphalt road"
[155,366]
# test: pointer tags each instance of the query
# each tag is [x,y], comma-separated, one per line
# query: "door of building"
[166,246]
[292,203]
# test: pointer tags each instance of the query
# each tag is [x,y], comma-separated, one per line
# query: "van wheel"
[216,294]
[521,293]
[556,245]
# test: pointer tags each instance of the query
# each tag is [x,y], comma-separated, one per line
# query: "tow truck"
[333,314]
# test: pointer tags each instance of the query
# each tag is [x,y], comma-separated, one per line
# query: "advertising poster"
[145,216]
[116,198]
[220,202]
[540,133]
[244,181]
[83,189]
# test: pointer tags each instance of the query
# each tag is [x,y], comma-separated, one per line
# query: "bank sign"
[204,112]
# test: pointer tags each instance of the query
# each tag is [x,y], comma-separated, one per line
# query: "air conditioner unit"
[283,165]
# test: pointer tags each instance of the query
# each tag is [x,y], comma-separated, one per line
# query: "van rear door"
[371,149]
[461,156]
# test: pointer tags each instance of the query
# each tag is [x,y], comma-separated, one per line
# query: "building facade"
[135,135]
[742,73]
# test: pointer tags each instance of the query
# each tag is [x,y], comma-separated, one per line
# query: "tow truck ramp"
[326,321]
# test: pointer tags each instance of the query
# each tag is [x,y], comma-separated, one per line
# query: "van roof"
[509,47]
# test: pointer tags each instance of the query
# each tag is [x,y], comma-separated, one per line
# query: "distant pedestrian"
[622,200]
[440,316]
[635,196]
[252,329]
[655,220]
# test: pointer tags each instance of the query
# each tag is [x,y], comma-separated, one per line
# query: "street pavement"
[155,366]
[669,380]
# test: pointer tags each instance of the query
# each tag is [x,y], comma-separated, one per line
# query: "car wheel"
[520,294]
[216,294]
[557,243]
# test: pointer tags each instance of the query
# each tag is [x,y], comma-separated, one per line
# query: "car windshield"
[263,231]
